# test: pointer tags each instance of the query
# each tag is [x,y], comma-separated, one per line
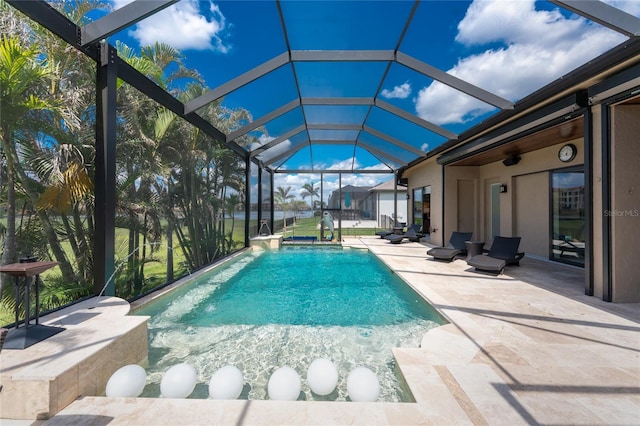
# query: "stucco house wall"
[427,173]
[524,208]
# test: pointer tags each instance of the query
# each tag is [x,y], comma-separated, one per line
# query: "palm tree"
[146,156]
[22,75]
[309,190]
[282,197]
[53,135]
[65,168]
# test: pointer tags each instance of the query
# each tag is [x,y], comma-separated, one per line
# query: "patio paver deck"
[526,347]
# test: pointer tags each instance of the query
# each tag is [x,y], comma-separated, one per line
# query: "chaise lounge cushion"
[411,235]
[486,263]
[456,246]
[503,252]
[384,233]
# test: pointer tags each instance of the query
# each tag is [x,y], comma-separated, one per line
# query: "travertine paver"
[559,357]
[527,347]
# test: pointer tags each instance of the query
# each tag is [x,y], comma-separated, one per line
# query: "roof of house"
[387,186]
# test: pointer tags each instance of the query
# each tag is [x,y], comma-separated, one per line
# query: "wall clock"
[567,153]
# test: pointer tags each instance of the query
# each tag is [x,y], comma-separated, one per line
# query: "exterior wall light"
[511,161]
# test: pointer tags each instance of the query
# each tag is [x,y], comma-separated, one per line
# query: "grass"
[311,227]
[572,227]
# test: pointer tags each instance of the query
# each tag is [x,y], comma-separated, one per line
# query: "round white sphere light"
[322,376]
[284,384]
[226,383]
[179,381]
[127,381]
[363,385]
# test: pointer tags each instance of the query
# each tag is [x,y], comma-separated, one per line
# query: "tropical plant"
[281,197]
[27,115]
[54,146]
[309,190]
[173,181]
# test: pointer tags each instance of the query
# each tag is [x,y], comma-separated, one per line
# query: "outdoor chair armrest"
[516,259]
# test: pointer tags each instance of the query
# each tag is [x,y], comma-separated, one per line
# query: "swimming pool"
[287,307]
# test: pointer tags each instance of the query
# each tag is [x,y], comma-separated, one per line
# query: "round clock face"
[567,153]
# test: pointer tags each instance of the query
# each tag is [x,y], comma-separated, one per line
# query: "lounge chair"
[564,244]
[412,234]
[383,233]
[386,232]
[503,252]
[455,247]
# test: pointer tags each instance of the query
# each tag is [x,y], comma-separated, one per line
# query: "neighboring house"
[385,199]
[371,203]
[356,202]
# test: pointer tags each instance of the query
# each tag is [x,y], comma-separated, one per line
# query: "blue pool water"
[287,307]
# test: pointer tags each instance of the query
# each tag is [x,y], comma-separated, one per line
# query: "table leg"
[17,284]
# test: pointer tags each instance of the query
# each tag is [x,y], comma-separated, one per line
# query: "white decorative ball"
[284,384]
[322,376]
[127,381]
[363,385]
[179,381]
[226,383]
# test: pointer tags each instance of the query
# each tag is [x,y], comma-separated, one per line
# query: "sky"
[508,47]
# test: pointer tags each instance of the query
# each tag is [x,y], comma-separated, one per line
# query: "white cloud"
[296,182]
[184,25]
[402,92]
[344,164]
[263,139]
[539,47]
[274,151]
[514,22]
[424,147]
[363,179]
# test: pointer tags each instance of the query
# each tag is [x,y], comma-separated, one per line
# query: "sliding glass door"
[422,208]
[567,216]
[494,205]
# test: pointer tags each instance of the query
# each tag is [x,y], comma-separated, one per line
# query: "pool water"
[288,307]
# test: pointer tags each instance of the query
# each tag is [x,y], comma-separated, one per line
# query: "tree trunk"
[13,164]
[143,257]
[169,275]
[71,235]
[83,257]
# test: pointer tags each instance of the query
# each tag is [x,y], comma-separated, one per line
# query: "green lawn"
[309,227]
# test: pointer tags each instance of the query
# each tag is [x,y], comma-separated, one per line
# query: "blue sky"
[508,47]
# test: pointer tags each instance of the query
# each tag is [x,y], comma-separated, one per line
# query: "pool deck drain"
[526,347]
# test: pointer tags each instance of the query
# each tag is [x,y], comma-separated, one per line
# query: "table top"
[27,269]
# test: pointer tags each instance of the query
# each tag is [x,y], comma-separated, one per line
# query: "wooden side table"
[28,334]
